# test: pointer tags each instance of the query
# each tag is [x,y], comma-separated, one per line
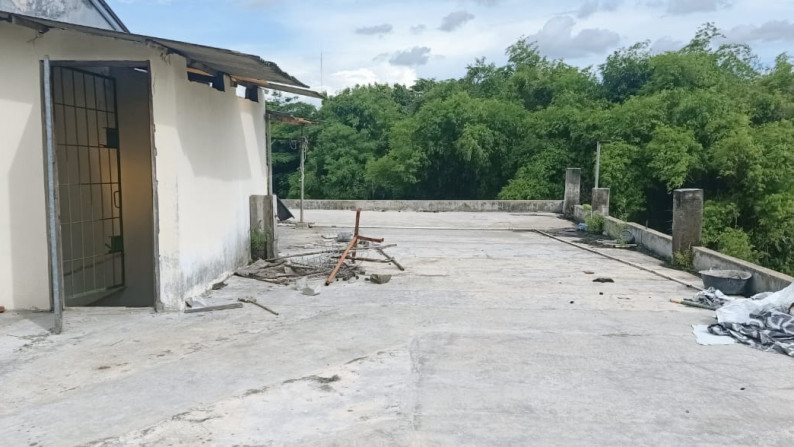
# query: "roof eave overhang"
[243,68]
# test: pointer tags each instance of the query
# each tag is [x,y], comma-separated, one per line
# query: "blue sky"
[402,40]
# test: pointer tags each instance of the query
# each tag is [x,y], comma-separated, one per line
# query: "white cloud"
[557,39]
[328,26]
[409,58]
[455,20]
[361,76]
[382,73]
[375,29]
[665,44]
[591,7]
[775,30]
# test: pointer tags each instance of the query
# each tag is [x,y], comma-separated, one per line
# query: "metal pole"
[52,216]
[598,162]
[303,173]
[269,154]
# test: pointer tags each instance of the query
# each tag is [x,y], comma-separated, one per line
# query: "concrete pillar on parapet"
[573,179]
[600,201]
[264,244]
[687,219]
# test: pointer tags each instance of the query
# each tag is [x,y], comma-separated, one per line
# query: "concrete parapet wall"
[763,280]
[580,214]
[659,244]
[513,206]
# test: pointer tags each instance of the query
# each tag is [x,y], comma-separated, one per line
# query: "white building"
[154,156]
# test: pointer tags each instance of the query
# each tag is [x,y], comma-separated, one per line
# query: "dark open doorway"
[103,154]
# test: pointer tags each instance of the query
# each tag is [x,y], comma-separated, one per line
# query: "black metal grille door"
[89,182]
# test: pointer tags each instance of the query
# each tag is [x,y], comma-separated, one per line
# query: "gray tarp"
[764,324]
[768,331]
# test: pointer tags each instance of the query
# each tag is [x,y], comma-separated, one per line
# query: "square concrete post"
[687,219]
[573,178]
[600,201]
[263,227]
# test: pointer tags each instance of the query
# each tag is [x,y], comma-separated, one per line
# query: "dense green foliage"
[707,116]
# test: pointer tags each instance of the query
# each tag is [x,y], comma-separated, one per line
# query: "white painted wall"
[209,159]
[214,144]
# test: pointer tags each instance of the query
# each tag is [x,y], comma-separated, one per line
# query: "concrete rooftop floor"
[493,336]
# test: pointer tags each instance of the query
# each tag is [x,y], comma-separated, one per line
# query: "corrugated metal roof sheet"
[274,86]
[295,90]
[287,118]
[200,56]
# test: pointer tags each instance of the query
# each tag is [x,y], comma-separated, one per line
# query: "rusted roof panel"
[286,118]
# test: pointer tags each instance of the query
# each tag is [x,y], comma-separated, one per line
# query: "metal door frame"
[88,145]
[53,216]
[51,181]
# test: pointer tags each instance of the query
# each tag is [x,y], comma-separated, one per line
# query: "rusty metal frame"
[350,246]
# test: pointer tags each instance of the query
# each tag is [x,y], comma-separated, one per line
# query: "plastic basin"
[729,282]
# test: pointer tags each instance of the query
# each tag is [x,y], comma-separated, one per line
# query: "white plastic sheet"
[739,311]
[706,338]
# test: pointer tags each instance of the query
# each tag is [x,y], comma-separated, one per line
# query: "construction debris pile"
[331,261]
[286,271]
[338,257]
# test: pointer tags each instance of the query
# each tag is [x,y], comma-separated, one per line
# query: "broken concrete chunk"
[377,278]
[311,291]
[344,237]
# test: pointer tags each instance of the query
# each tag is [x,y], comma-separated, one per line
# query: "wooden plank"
[370,239]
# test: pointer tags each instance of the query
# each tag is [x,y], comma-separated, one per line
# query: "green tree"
[706,116]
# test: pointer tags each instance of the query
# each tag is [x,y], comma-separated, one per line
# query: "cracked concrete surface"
[489,338]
